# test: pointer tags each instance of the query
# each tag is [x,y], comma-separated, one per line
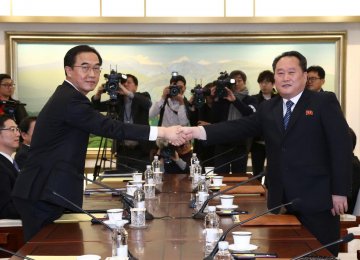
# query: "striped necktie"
[16,166]
[289,104]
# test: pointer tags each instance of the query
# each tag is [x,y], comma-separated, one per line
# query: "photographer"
[129,107]
[170,159]
[235,104]
[8,105]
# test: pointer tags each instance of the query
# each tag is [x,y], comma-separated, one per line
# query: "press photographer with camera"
[232,101]
[173,109]
[130,107]
[9,106]
[170,158]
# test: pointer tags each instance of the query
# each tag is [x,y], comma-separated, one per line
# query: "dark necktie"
[16,166]
[289,104]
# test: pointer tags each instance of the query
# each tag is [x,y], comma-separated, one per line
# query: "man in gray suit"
[58,149]
[307,145]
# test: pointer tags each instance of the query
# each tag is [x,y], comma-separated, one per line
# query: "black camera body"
[112,84]
[174,90]
[221,83]
[166,153]
[199,95]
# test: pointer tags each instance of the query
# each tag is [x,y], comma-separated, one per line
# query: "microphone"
[200,214]
[131,257]
[218,155]
[294,203]
[126,198]
[16,254]
[194,190]
[345,239]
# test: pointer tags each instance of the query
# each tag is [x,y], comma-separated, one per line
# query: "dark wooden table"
[173,234]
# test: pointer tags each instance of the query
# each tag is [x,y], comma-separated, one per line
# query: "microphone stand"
[345,239]
[131,257]
[222,238]
[16,254]
[126,198]
[200,214]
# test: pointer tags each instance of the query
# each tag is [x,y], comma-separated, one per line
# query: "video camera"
[221,83]
[199,95]
[112,84]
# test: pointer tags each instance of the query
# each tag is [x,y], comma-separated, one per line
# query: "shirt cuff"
[202,133]
[153,133]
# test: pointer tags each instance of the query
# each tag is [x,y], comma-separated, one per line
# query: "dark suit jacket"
[140,106]
[311,160]
[21,155]
[58,147]
[8,175]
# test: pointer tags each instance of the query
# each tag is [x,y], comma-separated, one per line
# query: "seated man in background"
[9,142]
[26,127]
[9,106]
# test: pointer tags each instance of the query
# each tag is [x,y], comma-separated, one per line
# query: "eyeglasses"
[8,85]
[13,129]
[86,68]
[312,79]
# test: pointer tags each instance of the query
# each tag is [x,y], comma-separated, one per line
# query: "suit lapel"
[278,114]
[299,109]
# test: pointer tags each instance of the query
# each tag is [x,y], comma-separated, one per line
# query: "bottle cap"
[223,245]
[211,209]
[156,157]
[148,166]
[194,154]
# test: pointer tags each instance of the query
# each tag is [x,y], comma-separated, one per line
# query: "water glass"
[138,217]
[149,190]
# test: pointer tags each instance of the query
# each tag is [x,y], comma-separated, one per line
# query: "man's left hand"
[340,205]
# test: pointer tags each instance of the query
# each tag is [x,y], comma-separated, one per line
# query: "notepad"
[77,217]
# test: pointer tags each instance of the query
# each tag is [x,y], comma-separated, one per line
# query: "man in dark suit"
[130,107]
[9,142]
[58,147]
[308,148]
[26,127]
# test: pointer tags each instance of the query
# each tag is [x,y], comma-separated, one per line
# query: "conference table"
[173,234]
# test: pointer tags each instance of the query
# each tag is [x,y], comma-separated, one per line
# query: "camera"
[199,95]
[112,84]
[174,90]
[166,153]
[221,83]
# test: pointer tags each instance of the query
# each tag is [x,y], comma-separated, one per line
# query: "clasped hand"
[178,135]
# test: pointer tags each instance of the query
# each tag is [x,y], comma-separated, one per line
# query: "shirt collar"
[294,99]
[7,157]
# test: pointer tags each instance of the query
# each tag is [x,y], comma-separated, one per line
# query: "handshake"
[178,135]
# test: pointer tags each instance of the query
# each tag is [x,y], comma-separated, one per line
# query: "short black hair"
[70,56]
[177,78]
[3,119]
[25,123]
[296,54]
[235,73]
[320,71]
[266,75]
[4,76]
[134,78]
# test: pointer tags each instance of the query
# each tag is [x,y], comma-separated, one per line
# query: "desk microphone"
[16,254]
[345,239]
[131,257]
[200,214]
[218,155]
[206,173]
[294,203]
[126,198]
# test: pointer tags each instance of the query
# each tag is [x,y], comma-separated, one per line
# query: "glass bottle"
[119,240]
[196,173]
[139,197]
[149,175]
[212,232]
[156,164]
[223,253]
[192,163]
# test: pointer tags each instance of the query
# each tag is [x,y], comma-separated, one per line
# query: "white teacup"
[137,176]
[130,189]
[217,180]
[242,238]
[227,200]
[114,215]
[209,170]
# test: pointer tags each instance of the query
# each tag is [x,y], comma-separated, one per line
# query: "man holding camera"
[173,109]
[130,107]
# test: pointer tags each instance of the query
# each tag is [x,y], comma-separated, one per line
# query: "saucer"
[110,223]
[238,249]
[221,207]
[214,185]
[136,182]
